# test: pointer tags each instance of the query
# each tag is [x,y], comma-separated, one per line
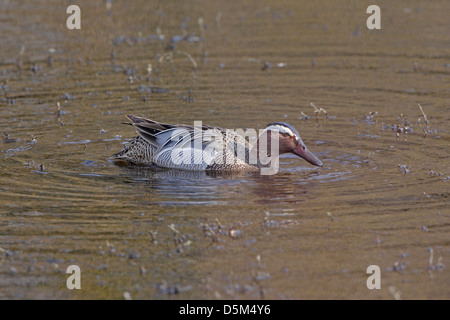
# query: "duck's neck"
[265,153]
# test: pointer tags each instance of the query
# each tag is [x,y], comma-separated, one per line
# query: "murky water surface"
[382,197]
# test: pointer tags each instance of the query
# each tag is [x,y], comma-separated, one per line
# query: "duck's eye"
[303,147]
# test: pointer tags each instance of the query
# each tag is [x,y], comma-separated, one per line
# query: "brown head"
[290,142]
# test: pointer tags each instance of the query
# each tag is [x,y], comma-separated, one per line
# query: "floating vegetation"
[41,169]
[395,292]
[369,117]
[67,97]
[214,231]
[151,89]
[434,266]
[6,99]
[187,38]
[304,116]
[127,296]
[424,116]
[266,64]
[403,126]
[164,288]
[208,231]
[433,173]
[168,56]
[424,119]
[59,113]
[404,168]
[398,266]
[317,112]
[7,138]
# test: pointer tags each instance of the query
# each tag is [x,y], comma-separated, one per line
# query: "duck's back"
[186,147]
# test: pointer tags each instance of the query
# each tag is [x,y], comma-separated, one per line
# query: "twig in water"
[4,89]
[395,293]
[169,56]
[403,168]
[201,27]
[172,227]
[317,111]
[214,236]
[423,115]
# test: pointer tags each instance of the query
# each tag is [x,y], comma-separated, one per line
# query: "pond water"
[381,198]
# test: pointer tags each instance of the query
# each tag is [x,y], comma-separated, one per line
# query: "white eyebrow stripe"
[281,129]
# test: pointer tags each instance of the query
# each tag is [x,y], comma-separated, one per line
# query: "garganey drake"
[209,148]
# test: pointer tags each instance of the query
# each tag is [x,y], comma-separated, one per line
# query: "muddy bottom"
[373,105]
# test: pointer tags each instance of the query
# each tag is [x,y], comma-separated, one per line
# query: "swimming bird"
[210,148]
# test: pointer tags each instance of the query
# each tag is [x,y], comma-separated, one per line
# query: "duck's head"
[290,142]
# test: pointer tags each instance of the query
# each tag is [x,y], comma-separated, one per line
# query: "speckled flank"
[137,151]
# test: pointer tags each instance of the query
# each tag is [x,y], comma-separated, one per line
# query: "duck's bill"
[307,155]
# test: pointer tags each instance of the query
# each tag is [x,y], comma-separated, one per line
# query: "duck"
[210,148]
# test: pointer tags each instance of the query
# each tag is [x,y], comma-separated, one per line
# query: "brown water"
[382,197]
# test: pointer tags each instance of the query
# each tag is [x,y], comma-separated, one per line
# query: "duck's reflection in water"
[180,187]
[284,187]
